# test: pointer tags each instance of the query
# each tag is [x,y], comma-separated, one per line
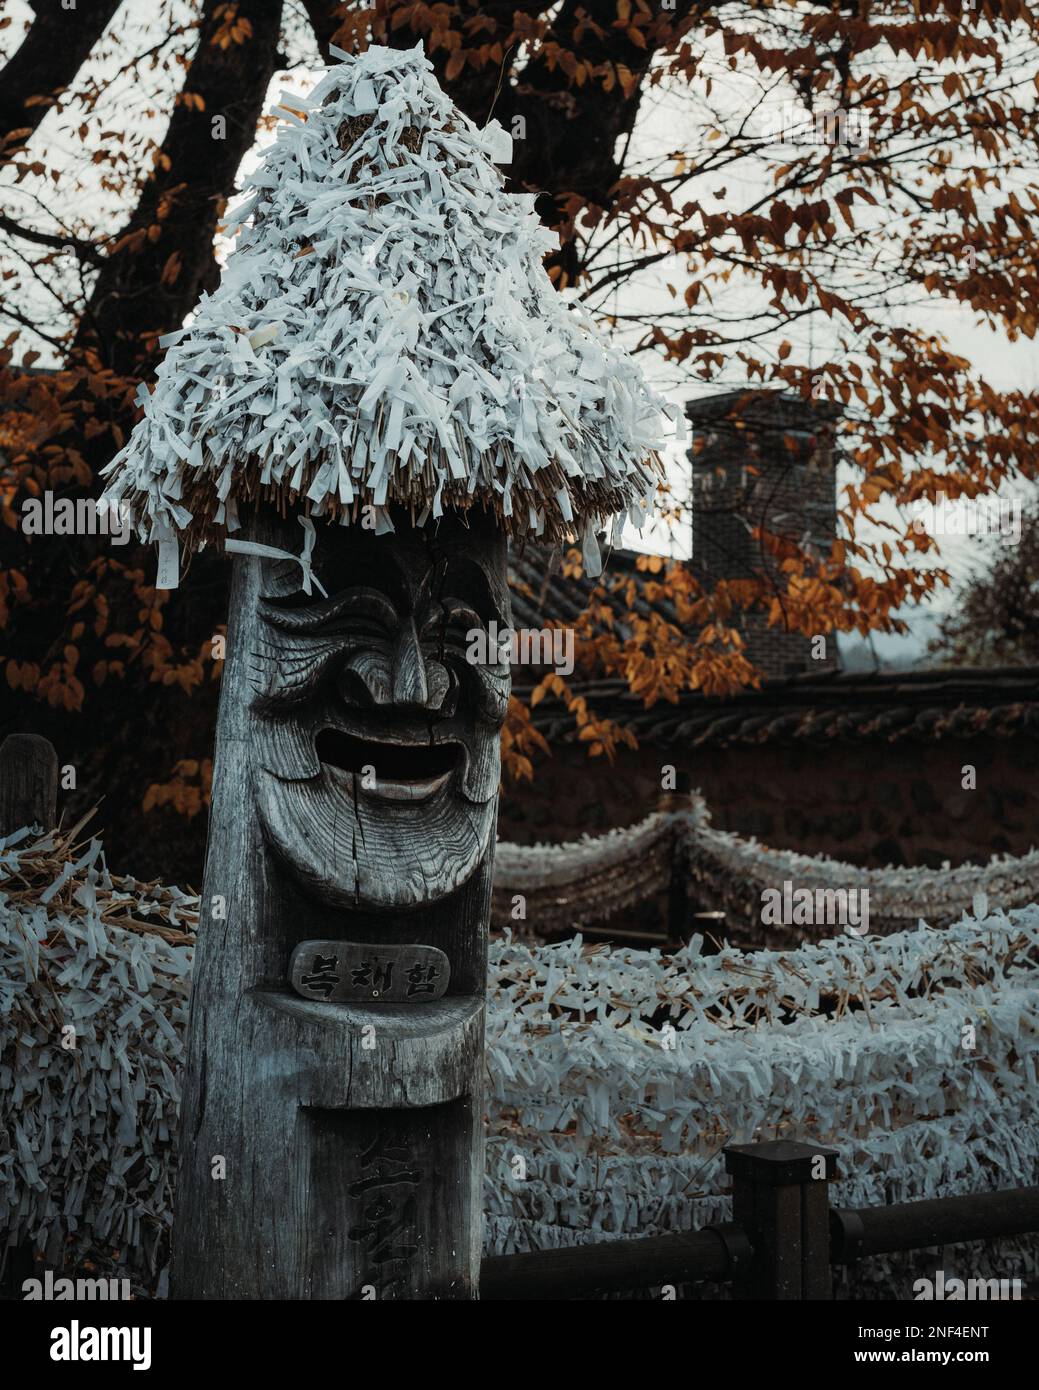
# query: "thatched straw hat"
[385,333]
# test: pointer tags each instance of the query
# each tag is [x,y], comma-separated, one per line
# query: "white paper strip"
[309,579]
[168,575]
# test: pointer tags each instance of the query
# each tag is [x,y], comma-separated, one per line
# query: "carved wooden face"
[378,742]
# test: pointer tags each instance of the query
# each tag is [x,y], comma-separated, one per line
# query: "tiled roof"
[816,706]
[540,592]
[931,704]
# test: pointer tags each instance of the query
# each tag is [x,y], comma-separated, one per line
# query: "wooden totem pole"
[337,1008]
[386,363]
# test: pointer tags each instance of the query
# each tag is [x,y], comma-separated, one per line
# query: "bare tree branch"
[84,249]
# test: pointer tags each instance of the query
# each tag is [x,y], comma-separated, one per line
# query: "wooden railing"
[782,1243]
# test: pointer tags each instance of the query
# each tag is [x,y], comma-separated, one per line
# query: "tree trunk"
[568,137]
[149,285]
[45,64]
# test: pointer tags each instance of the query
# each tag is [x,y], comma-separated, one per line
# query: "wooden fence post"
[331,1141]
[28,782]
[679,905]
[779,1197]
[28,796]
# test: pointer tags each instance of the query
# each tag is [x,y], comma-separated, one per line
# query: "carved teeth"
[384,731]
[381,789]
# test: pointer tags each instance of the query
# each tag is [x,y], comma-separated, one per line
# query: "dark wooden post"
[331,1142]
[28,796]
[28,783]
[680,924]
[779,1198]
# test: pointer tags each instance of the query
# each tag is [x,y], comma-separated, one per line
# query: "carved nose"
[409,668]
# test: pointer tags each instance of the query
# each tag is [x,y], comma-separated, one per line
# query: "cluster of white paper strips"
[88,1117]
[385,331]
[620,1123]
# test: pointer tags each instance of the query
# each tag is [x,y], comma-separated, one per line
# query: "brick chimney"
[762,458]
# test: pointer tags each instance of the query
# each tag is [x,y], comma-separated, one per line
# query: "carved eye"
[297,599]
[450,621]
[362,626]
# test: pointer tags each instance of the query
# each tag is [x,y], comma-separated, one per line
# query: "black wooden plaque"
[351,972]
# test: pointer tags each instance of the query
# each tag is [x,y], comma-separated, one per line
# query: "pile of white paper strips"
[620,1123]
[619,1120]
[385,331]
[92,1019]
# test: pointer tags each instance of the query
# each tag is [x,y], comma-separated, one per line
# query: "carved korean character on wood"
[360,973]
[387,1225]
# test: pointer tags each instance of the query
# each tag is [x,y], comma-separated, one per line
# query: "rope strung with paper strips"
[731,874]
[385,332]
[595,878]
[589,880]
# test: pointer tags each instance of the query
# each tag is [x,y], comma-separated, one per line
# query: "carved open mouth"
[392,771]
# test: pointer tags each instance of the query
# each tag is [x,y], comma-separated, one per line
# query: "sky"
[665,115]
